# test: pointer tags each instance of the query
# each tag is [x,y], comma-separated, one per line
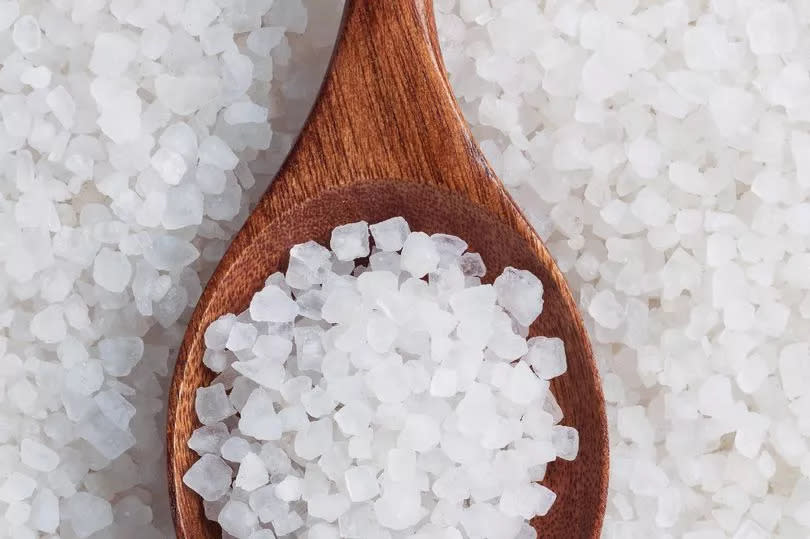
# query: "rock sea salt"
[340,418]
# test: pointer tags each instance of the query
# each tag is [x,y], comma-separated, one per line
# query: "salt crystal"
[772,30]
[390,235]
[112,54]
[170,165]
[419,254]
[252,473]
[272,304]
[237,519]
[209,477]
[112,270]
[350,241]
[245,112]
[26,34]
[87,513]
[212,404]
[9,11]
[38,456]
[520,293]
[62,105]
[119,355]
[258,417]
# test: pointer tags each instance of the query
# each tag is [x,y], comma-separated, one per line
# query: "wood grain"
[386,138]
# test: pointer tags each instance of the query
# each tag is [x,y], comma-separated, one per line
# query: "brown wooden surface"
[386,138]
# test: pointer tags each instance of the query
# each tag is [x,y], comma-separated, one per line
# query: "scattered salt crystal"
[212,404]
[88,513]
[419,254]
[214,151]
[26,34]
[62,105]
[772,29]
[546,357]
[520,293]
[209,477]
[38,456]
[350,241]
[169,165]
[112,54]
[244,113]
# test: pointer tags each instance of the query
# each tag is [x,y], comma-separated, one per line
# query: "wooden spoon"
[386,138]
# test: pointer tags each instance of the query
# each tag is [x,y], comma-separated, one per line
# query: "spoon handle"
[386,111]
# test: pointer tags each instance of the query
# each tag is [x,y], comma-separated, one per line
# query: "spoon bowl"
[386,138]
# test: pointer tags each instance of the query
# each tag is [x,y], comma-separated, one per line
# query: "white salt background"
[661,149]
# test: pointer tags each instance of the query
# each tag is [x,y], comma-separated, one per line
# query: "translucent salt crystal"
[241,337]
[237,519]
[361,483]
[450,248]
[186,208]
[213,151]
[398,508]
[168,253]
[9,11]
[472,265]
[606,310]
[87,513]
[328,507]
[252,473]
[350,241]
[288,523]
[112,270]
[212,404]
[258,417]
[210,477]
[272,304]
[566,442]
[154,41]
[262,40]
[444,383]
[266,505]
[419,255]
[198,14]
[419,433]
[714,396]
[62,105]
[170,165]
[772,30]
[793,360]
[48,325]
[17,487]
[520,293]
[38,456]
[44,515]
[272,347]
[289,489]
[36,77]
[245,112]
[546,356]
[187,94]
[527,500]
[390,235]
[112,54]
[26,34]
[234,449]
[211,180]
[317,402]
[119,355]
[314,439]
[308,262]
[208,438]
